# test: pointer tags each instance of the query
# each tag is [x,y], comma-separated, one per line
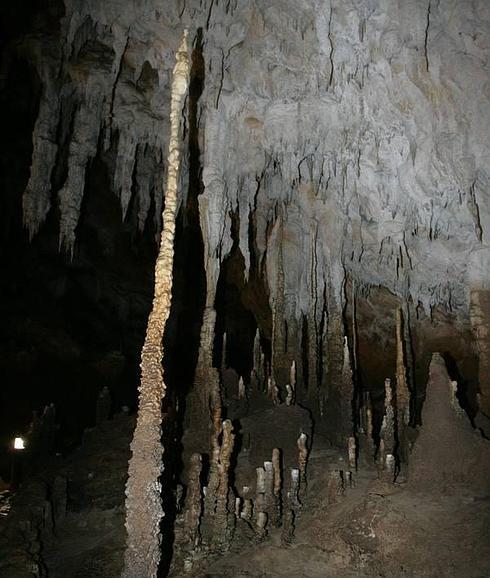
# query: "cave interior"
[324,398]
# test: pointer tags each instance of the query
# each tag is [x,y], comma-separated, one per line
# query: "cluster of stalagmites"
[215,513]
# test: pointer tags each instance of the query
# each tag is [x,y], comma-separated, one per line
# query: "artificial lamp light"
[19,444]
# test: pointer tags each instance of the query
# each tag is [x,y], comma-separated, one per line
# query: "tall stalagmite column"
[143,504]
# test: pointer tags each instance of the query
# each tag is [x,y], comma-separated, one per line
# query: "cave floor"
[376,529]
[373,529]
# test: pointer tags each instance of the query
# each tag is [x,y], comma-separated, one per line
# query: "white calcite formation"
[355,131]
[354,134]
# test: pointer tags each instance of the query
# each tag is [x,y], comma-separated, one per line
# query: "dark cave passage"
[70,325]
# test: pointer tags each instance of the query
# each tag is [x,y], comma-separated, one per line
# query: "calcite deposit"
[317,175]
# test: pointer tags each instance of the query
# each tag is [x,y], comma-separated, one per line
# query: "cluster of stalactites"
[117,109]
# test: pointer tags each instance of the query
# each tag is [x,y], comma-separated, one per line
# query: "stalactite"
[36,199]
[143,503]
[324,388]
[124,169]
[313,324]
[346,396]
[83,148]
[256,378]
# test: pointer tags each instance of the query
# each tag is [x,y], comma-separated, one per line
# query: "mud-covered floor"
[374,529]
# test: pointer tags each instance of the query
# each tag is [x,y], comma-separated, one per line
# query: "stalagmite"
[193,504]
[390,464]
[260,525]
[205,397]
[262,371]
[223,353]
[388,426]
[272,391]
[333,362]
[402,392]
[241,388]
[302,462]
[210,498]
[270,502]
[380,457]
[351,445]
[453,391]
[224,519]
[247,508]
[276,464]
[370,449]
[291,386]
[260,504]
[103,408]
[292,508]
[335,486]
[59,497]
[292,375]
[480,323]
[448,453]
[41,435]
[143,503]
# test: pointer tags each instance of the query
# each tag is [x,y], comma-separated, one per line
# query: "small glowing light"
[19,444]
